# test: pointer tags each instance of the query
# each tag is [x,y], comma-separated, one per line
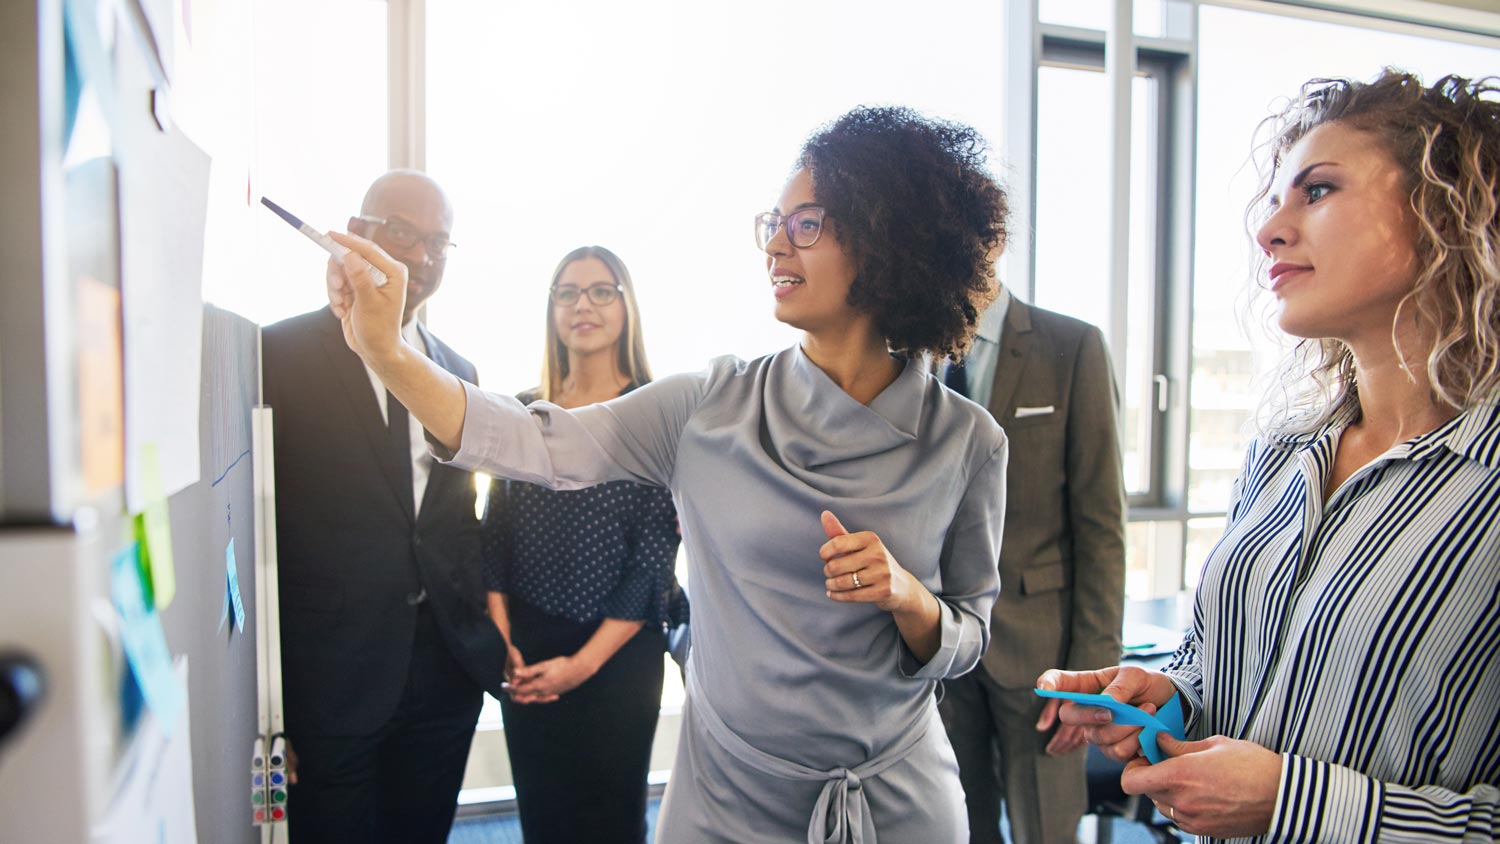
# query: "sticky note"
[154,533]
[144,641]
[232,574]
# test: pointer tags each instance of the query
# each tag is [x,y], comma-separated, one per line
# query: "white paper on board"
[163,206]
[154,799]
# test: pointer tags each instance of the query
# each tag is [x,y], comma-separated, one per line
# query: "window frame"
[1168,63]
[1172,59]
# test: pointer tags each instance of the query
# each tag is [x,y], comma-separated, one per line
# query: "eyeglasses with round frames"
[404,235]
[803,226]
[567,295]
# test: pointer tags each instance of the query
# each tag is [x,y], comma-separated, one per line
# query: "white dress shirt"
[979,366]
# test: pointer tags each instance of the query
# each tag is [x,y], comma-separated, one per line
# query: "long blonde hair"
[1446,138]
[631,350]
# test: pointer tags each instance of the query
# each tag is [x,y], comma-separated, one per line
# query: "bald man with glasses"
[386,645]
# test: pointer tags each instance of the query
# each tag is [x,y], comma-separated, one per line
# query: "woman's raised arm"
[372,327]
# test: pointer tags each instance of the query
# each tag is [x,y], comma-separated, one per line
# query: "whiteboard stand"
[271,718]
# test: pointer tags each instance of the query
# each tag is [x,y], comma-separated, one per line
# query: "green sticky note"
[154,531]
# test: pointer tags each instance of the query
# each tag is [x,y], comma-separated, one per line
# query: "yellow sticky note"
[154,530]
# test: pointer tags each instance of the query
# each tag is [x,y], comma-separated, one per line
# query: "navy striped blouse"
[1358,637]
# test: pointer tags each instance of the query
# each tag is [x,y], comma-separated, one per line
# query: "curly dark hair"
[913,203]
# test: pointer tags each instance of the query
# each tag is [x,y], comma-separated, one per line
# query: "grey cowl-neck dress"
[806,718]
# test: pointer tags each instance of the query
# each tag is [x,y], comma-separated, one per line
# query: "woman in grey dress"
[842,510]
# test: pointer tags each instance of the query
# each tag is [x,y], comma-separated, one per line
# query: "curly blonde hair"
[1446,138]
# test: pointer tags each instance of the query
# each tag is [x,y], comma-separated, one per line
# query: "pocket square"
[1025,412]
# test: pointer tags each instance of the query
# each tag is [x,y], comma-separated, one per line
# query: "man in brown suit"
[1046,378]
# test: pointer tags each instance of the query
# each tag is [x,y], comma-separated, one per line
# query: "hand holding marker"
[335,249]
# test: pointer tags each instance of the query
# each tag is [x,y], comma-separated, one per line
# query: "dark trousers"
[1001,756]
[399,785]
[580,763]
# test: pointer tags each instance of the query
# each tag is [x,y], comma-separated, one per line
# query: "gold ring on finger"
[855,576]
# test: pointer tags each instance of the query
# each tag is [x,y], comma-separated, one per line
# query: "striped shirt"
[1360,638]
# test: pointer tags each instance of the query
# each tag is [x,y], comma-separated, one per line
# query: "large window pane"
[1153,560]
[308,86]
[661,129]
[1072,233]
[1202,536]
[658,129]
[1235,343]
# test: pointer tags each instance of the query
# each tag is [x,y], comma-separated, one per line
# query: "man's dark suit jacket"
[351,556]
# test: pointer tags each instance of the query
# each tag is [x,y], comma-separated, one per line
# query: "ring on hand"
[1172,813]
[855,576]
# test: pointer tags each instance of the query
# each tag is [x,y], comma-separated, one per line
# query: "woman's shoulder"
[734,366]
[721,370]
[960,415]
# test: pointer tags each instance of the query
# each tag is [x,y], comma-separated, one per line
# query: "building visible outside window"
[1234,337]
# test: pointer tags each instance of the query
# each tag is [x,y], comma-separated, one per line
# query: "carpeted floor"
[506,829]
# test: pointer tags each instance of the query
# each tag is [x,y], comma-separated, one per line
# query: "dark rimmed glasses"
[404,235]
[803,226]
[566,295]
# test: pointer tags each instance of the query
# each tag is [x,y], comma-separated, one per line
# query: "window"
[1235,345]
[1072,236]
[1191,326]
[661,130]
[1072,271]
[306,160]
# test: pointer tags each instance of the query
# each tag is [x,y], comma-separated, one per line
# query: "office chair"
[1108,800]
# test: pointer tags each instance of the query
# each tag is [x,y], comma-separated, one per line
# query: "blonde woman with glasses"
[581,585]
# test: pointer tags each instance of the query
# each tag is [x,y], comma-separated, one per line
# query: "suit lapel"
[360,393]
[1015,352]
[435,349]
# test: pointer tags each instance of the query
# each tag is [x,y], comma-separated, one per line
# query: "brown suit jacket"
[1062,561]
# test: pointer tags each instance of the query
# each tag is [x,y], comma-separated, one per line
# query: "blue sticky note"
[1168,720]
[231,572]
[144,641]
[72,77]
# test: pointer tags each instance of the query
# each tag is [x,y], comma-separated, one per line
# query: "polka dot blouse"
[607,551]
